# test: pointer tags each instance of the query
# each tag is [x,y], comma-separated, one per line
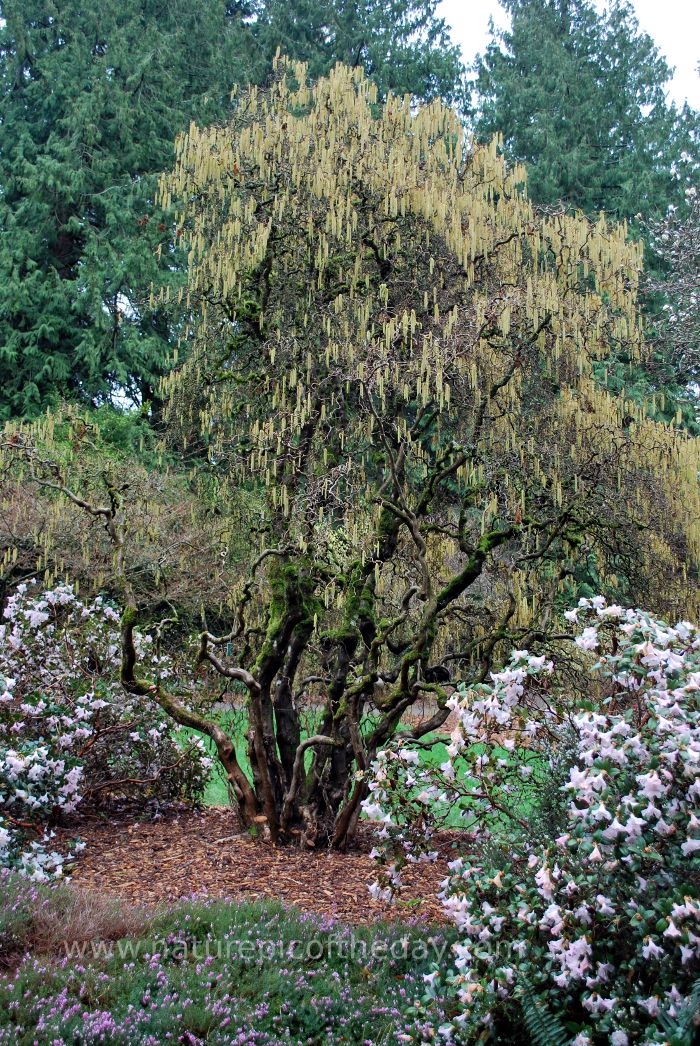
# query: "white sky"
[674,26]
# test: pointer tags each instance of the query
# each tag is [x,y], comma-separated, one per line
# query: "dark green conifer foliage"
[403,45]
[91,97]
[579,97]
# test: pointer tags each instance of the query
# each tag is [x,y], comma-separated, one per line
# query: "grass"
[205,972]
[217,794]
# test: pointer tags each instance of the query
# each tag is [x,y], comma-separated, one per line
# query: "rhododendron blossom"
[600,918]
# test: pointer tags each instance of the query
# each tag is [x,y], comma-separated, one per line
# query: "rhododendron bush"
[578,887]
[68,730]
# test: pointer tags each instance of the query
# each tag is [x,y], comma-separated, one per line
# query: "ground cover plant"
[206,971]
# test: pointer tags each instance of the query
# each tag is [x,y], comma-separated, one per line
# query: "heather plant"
[212,971]
[48,916]
[68,731]
[593,934]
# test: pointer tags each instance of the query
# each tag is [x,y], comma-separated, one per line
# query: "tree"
[91,102]
[402,45]
[676,242]
[393,354]
[579,97]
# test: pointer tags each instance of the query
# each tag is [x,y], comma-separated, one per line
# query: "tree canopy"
[403,46]
[579,97]
[91,103]
[91,100]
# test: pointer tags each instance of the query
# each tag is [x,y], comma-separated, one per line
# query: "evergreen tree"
[402,45]
[92,98]
[579,97]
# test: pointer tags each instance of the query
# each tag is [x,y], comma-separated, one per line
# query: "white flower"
[544,883]
[373,811]
[651,1005]
[651,950]
[613,611]
[596,1003]
[379,894]
[407,756]
[588,640]
[604,905]
[613,830]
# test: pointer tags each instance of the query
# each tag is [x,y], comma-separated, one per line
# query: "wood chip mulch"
[203,851]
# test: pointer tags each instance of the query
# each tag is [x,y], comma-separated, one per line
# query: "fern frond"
[544,1027]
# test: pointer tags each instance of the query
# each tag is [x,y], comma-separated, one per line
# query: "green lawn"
[216,793]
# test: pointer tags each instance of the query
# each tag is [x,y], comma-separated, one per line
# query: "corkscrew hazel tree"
[393,353]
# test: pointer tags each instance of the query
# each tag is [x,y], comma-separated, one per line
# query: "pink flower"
[651,785]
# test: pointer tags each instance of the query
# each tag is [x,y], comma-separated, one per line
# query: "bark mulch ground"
[188,852]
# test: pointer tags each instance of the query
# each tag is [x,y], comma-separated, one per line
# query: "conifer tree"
[92,97]
[578,96]
[403,46]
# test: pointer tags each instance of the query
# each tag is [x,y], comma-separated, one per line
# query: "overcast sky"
[673,24]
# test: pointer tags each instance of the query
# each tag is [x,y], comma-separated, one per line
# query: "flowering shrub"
[68,731]
[594,923]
